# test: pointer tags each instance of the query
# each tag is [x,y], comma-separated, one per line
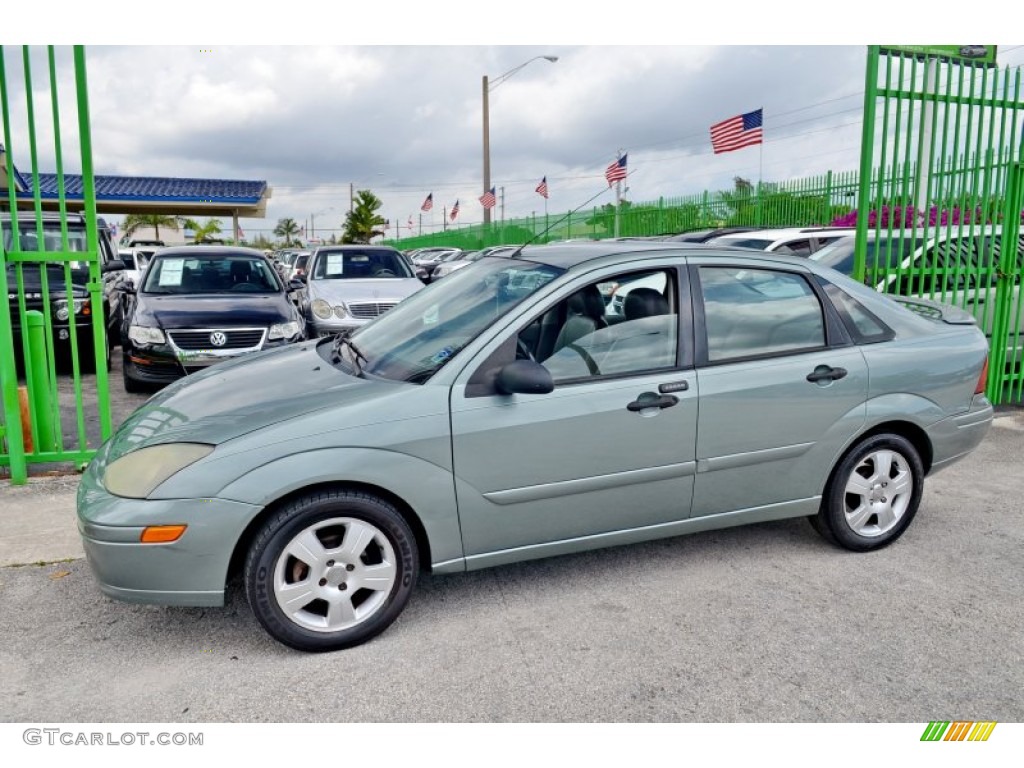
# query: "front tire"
[873,495]
[331,570]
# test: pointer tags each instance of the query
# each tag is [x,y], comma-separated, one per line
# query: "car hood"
[170,312]
[31,280]
[242,395]
[388,289]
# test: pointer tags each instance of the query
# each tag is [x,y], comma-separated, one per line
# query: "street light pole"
[488,86]
[487,146]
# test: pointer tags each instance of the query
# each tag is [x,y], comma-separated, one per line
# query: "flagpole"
[760,173]
[618,200]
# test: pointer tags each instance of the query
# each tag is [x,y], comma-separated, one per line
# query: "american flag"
[616,171]
[542,188]
[487,199]
[737,132]
[455,211]
[428,203]
[241,234]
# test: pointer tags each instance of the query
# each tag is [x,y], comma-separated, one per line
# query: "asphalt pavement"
[762,623]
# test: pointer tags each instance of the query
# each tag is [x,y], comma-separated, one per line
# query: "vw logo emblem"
[218,338]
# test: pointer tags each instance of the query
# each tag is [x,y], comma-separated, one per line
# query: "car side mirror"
[525,377]
[114,265]
[422,274]
[296,285]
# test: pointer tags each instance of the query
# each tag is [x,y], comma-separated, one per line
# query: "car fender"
[897,406]
[427,489]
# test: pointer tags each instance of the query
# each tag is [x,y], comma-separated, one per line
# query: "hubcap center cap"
[336,575]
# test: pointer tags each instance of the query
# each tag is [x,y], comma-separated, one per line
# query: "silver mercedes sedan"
[349,285]
[505,413]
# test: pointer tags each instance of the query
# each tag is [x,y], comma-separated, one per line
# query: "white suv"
[796,241]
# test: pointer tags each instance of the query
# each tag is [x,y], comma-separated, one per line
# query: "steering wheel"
[523,352]
[383,273]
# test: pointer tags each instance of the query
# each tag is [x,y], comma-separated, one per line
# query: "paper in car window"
[170,274]
[335,264]
[432,315]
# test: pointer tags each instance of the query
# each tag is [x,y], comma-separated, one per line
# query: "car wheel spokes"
[878,493]
[335,574]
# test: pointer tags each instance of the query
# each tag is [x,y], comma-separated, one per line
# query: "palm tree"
[288,229]
[210,228]
[134,221]
[362,222]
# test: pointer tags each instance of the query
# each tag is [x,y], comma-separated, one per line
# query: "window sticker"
[335,264]
[432,315]
[170,274]
[442,354]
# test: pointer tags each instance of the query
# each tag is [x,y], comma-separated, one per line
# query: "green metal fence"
[939,215]
[813,201]
[47,341]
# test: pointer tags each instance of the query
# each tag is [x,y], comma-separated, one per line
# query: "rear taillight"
[983,379]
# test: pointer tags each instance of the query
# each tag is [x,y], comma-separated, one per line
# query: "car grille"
[366,310]
[237,338]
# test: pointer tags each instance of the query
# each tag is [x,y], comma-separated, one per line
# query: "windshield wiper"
[344,341]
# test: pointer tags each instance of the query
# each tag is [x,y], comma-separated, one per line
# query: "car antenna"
[548,228]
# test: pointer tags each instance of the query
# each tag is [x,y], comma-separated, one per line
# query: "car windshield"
[182,274]
[415,339]
[360,264]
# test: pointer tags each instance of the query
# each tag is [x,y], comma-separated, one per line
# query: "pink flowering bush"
[909,217]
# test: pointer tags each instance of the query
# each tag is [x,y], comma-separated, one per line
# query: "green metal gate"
[52,327]
[941,190]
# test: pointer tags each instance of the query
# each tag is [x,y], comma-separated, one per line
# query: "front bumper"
[333,326]
[191,571]
[163,364]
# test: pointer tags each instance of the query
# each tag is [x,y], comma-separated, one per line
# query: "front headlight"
[322,309]
[283,330]
[137,474]
[142,334]
[62,313]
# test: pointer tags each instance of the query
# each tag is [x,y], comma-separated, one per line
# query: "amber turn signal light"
[162,534]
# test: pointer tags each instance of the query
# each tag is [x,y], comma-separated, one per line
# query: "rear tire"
[873,494]
[331,570]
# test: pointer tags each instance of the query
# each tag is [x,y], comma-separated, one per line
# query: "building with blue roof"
[143,194]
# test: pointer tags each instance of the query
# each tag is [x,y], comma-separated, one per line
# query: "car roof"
[568,256]
[208,251]
[782,232]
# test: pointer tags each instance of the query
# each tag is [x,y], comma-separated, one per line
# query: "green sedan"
[508,412]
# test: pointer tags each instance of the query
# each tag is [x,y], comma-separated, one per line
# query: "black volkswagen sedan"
[199,305]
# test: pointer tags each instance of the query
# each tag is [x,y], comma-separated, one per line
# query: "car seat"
[644,302]
[241,272]
[585,315]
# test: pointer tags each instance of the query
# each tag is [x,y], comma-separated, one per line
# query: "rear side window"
[862,324]
[756,312]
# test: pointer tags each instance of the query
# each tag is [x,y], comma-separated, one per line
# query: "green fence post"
[42,406]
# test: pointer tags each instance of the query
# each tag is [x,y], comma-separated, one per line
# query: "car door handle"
[651,400]
[826,373]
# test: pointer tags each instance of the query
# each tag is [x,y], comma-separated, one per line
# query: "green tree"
[136,221]
[288,229]
[203,232]
[363,223]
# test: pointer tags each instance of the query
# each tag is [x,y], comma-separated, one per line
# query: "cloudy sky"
[406,120]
